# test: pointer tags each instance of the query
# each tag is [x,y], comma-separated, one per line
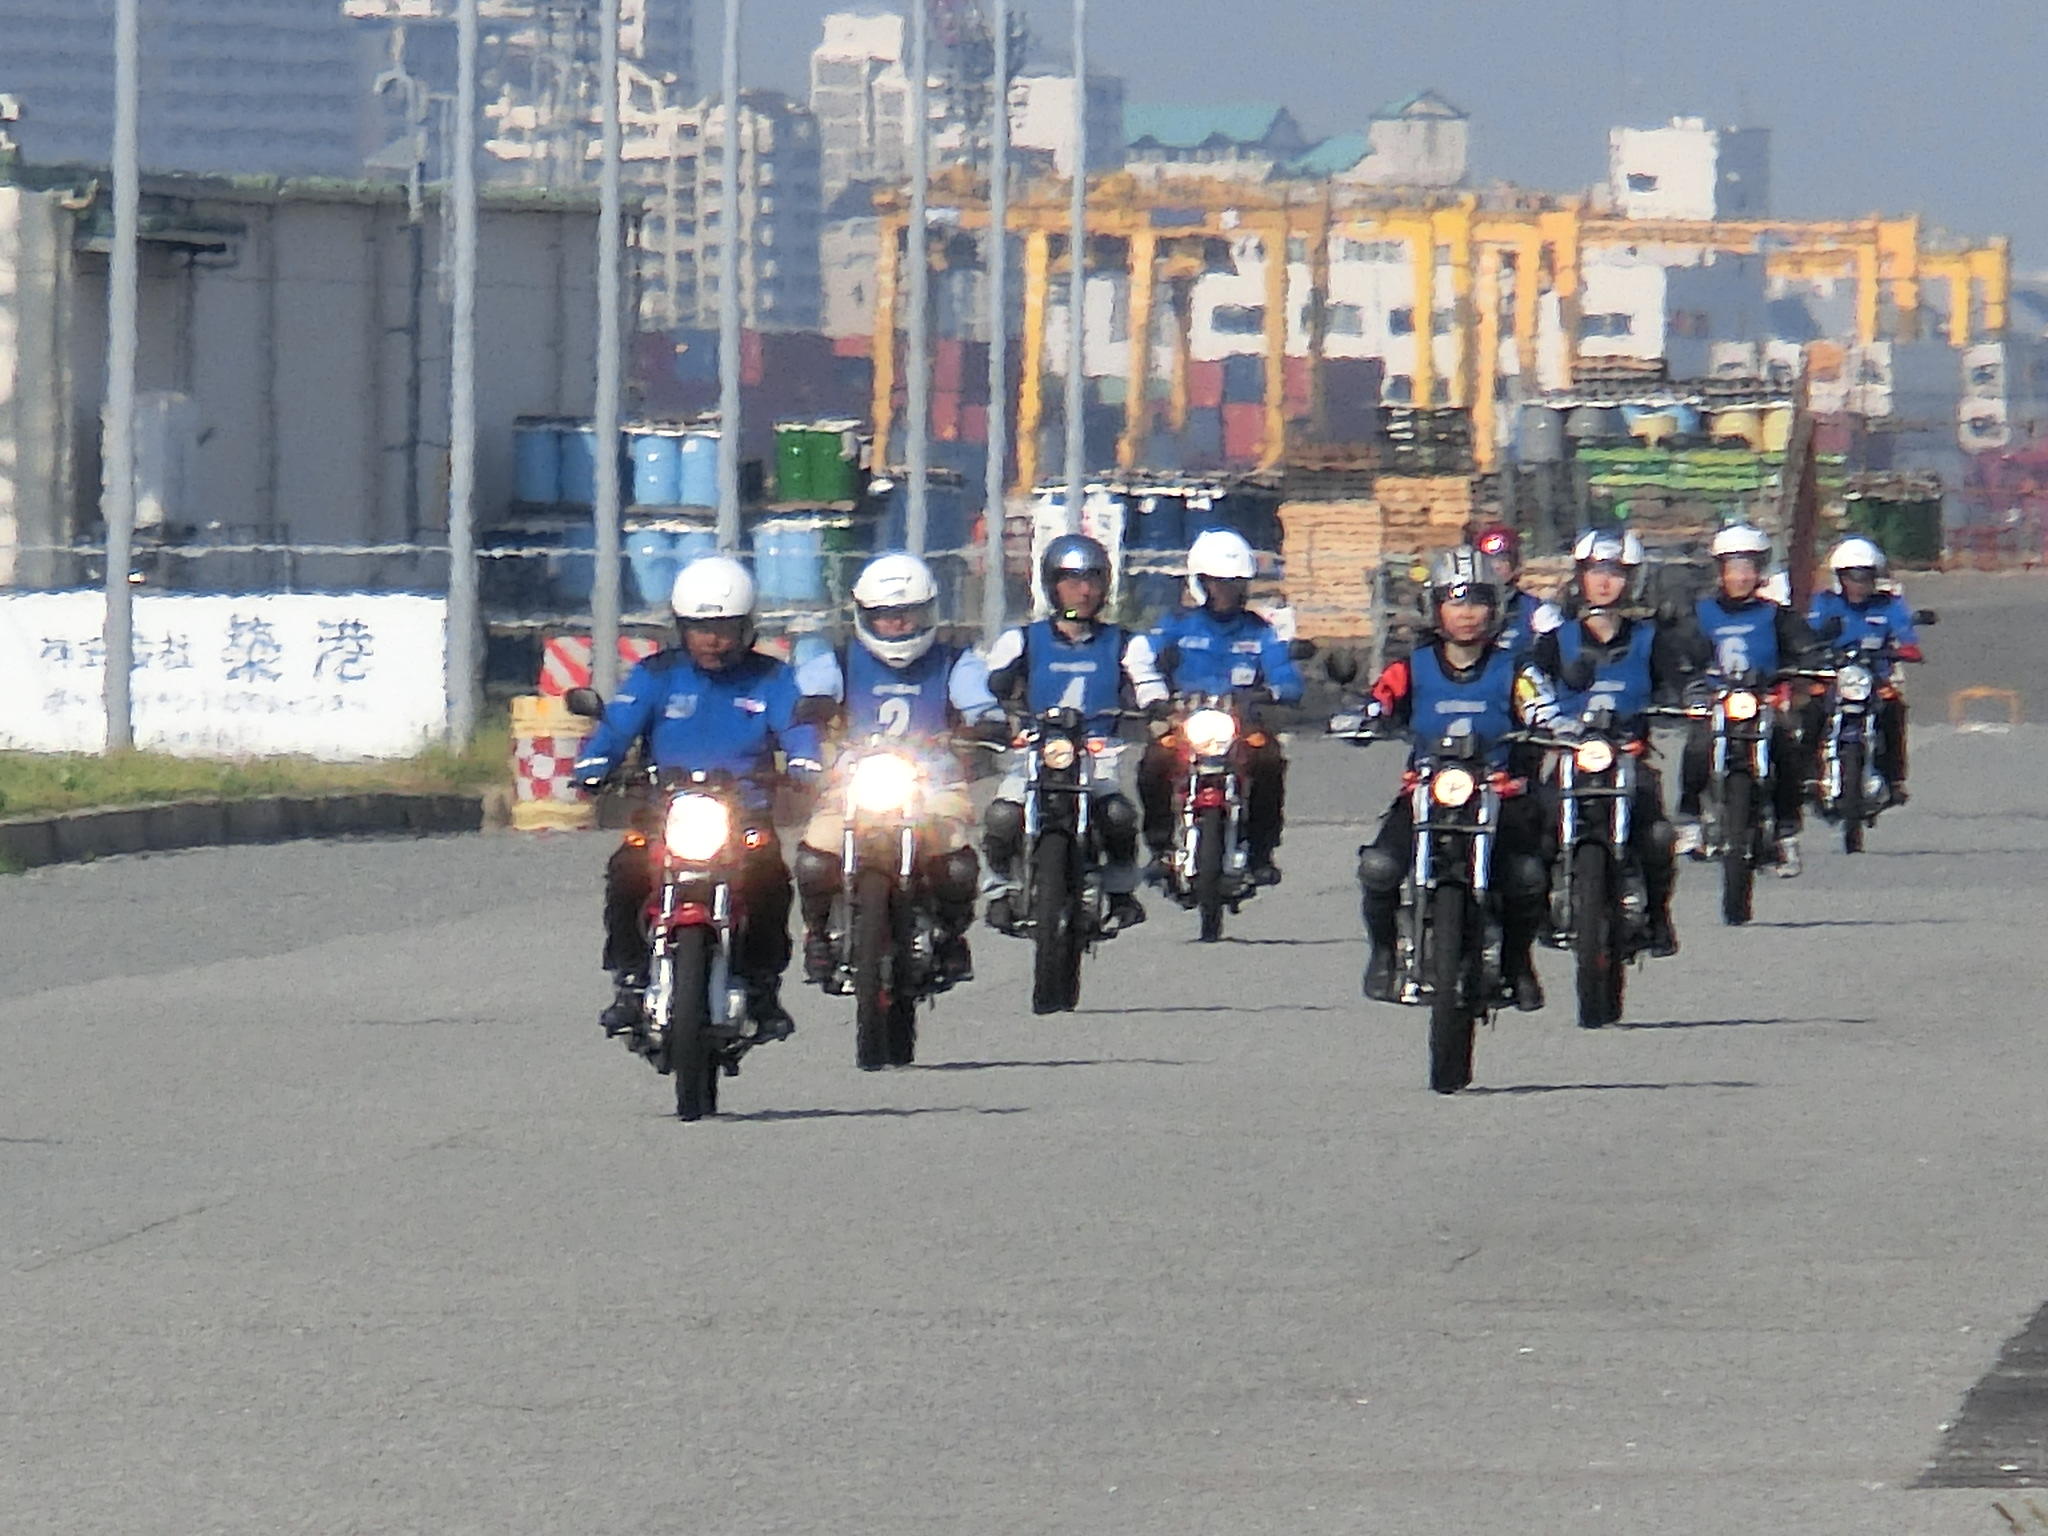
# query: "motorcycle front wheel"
[1738,853]
[885,1014]
[1596,943]
[1056,960]
[687,1040]
[1850,805]
[1451,1017]
[1209,874]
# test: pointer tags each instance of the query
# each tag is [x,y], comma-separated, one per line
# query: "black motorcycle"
[1739,826]
[1061,904]
[694,1020]
[884,922]
[1603,907]
[1448,949]
[1849,790]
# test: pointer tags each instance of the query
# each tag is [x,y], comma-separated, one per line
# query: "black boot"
[1523,986]
[1379,965]
[764,1007]
[1663,935]
[627,1009]
[821,958]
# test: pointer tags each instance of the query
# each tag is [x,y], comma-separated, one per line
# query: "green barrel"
[834,461]
[793,462]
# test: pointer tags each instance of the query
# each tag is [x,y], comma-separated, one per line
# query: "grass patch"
[42,784]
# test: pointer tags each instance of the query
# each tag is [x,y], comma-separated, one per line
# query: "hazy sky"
[1891,106]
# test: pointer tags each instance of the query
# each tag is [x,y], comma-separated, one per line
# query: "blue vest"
[1744,640]
[1624,683]
[882,700]
[1088,676]
[1886,617]
[1486,701]
[1518,625]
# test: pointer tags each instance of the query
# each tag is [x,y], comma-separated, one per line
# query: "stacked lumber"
[1331,548]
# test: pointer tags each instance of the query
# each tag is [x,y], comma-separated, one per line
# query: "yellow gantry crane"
[1503,254]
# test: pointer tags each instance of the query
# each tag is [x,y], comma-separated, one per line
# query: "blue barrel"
[694,544]
[578,441]
[789,560]
[1158,522]
[697,470]
[536,460]
[657,454]
[651,557]
[576,567]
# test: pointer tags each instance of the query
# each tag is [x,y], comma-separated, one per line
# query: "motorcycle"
[1849,791]
[1602,911]
[1208,867]
[694,1019]
[883,921]
[1061,904]
[1448,948]
[1739,826]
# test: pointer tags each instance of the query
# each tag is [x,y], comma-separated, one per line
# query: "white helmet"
[713,587]
[1618,546]
[1222,555]
[1741,539]
[1856,554]
[896,584]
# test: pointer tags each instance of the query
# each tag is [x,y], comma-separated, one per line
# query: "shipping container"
[1244,380]
[1244,432]
[1205,385]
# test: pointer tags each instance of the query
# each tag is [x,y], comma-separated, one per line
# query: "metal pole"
[997,483]
[729,292]
[462,210]
[117,490]
[1077,279]
[604,595]
[917,378]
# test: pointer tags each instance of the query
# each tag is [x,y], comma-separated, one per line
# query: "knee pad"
[1525,876]
[1378,870]
[954,877]
[817,874]
[1119,816]
[1004,822]
[1663,838]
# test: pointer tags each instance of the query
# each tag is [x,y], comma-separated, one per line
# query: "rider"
[1220,647]
[1855,611]
[1739,632]
[1601,654]
[1460,676]
[713,704]
[1524,615]
[899,682]
[1072,660]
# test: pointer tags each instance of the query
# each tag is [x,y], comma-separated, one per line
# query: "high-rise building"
[228,86]
[860,95]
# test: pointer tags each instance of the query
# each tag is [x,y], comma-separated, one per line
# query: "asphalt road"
[325,1208]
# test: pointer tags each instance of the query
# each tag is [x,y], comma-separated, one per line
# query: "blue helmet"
[1071,554]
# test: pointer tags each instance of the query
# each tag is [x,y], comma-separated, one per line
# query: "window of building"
[1641,181]
[1345,319]
[1400,389]
[1615,324]
[1401,322]
[1442,321]
[1239,319]
[1297,248]
[1689,323]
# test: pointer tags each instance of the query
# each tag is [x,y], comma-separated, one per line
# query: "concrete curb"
[33,841]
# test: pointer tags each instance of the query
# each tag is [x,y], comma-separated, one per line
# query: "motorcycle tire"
[1596,944]
[1056,960]
[1209,874]
[687,1040]
[1451,1017]
[1851,803]
[885,1015]
[1738,849]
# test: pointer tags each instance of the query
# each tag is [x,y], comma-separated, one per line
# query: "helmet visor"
[1481,593]
[903,621]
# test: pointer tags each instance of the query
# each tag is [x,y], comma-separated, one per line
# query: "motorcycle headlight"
[1058,753]
[883,782]
[1595,756]
[1452,787]
[698,826]
[1209,731]
[1740,706]
[1853,683]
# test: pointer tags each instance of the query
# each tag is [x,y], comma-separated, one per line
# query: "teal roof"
[1425,103]
[1181,127]
[1332,156]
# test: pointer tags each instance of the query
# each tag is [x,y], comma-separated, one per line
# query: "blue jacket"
[702,722]
[1201,653]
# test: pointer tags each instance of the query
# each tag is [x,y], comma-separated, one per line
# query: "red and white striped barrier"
[565,660]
